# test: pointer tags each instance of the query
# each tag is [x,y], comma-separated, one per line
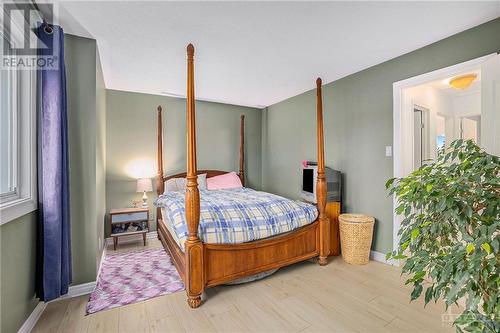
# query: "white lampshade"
[144,184]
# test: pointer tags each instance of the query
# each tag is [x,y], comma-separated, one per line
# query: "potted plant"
[449,237]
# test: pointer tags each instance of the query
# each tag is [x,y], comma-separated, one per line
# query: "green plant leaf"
[469,248]
[486,247]
[428,294]
[426,223]
[399,257]
[416,292]
[415,233]
[428,188]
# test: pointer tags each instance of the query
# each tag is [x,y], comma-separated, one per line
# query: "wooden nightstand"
[126,218]
[333,212]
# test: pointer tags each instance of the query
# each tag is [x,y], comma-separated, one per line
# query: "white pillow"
[179,184]
[202,181]
[175,184]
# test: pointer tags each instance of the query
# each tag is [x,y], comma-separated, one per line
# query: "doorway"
[470,128]
[430,112]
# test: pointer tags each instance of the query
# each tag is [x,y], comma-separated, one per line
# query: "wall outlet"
[388,151]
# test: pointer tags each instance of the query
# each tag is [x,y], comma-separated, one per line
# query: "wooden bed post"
[194,247]
[242,150]
[324,222]
[159,176]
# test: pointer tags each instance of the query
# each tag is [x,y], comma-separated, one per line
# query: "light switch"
[388,151]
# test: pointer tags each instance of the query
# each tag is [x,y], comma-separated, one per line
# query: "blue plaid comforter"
[237,215]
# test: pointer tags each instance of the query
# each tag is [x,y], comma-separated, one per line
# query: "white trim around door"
[403,123]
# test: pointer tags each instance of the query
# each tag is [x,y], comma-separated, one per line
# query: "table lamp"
[144,185]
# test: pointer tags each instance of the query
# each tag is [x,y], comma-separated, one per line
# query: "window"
[17,135]
[8,133]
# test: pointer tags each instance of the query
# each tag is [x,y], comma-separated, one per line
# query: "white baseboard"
[73,291]
[380,257]
[33,318]
[80,289]
[103,255]
[132,238]
[84,288]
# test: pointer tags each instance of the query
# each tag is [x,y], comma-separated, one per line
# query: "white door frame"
[425,147]
[403,123]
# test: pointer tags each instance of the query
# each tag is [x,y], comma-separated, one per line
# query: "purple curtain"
[54,244]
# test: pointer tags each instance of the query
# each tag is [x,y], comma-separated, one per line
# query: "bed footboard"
[228,262]
[222,263]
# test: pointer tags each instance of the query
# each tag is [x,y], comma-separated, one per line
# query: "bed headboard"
[210,173]
[161,178]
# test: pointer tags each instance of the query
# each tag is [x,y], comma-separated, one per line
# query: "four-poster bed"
[204,265]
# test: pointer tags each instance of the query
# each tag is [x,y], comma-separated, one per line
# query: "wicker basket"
[356,233]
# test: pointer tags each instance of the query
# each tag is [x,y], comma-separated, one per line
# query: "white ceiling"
[255,53]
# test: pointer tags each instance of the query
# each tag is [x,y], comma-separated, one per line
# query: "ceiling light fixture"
[462,81]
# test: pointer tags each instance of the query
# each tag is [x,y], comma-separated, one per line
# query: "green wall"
[358,125]
[100,158]
[87,142]
[131,135]
[17,272]
[80,56]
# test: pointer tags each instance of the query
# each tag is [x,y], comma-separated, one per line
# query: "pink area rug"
[132,277]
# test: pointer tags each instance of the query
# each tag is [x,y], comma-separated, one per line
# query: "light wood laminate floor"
[301,298]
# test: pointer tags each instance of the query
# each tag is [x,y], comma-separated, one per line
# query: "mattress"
[235,216]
